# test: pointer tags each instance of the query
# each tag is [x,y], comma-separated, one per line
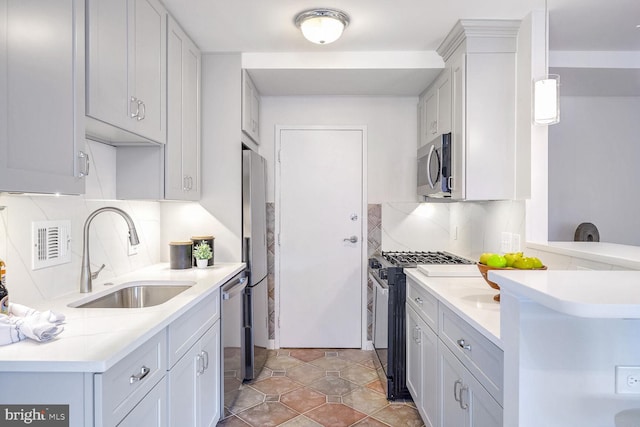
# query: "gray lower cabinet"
[150,412]
[465,402]
[42,84]
[454,373]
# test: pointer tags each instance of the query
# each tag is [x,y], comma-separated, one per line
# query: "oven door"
[381,322]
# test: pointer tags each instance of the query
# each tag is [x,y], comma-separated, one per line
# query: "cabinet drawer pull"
[418,300]
[205,357]
[461,342]
[455,390]
[142,112]
[463,405]
[134,101]
[84,164]
[144,371]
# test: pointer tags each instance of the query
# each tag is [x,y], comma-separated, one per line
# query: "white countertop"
[611,253]
[469,297]
[94,339]
[593,294]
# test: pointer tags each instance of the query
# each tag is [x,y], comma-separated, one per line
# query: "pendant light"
[322,26]
[546,93]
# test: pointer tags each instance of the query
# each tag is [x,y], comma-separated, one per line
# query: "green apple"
[496,260]
[523,263]
[484,257]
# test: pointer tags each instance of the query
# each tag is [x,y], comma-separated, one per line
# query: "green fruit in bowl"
[497,261]
[512,257]
[523,264]
[485,257]
[536,262]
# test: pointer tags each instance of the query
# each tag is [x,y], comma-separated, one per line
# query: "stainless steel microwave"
[434,167]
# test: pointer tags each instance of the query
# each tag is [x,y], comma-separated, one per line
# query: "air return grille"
[51,243]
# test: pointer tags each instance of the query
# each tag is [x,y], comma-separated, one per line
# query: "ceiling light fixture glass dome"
[322,26]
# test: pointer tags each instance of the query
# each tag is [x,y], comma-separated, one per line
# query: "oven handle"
[233,290]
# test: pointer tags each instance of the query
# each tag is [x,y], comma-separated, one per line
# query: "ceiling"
[259,26]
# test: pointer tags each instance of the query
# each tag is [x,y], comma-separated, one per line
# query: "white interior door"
[320,206]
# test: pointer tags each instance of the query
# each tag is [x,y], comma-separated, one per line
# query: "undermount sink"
[139,294]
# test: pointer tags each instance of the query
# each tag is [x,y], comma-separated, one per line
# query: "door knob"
[352,239]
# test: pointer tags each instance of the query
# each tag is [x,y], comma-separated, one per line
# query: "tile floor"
[317,387]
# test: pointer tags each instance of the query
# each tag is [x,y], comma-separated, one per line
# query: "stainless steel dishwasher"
[234,325]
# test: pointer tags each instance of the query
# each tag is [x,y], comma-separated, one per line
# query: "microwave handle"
[450,183]
[431,152]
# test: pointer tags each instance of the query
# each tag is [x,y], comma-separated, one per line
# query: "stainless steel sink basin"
[138,294]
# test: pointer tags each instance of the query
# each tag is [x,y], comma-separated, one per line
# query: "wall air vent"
[51,243]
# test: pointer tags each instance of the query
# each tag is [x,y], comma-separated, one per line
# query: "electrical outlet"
[131,249]
[628,379]
[505,242]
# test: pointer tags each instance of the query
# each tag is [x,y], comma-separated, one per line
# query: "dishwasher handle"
[235,288]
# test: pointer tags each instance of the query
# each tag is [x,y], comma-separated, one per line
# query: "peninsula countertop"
[94,339]
[591,294]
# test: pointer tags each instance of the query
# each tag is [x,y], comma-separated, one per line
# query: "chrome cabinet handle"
[135,102]
[84,163]
[205,358]
[352,239]
[463,405]
[185,183]
[418,300]
[142,113]
[144,371]
[455,390]
[461,342]
[417,333]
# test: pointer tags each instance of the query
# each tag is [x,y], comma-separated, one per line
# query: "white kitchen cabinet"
[126,71]
[465,402]
[250,108]
[482,57]
[422,367]
[151,411]
[182,151]
[435,109]
[194,383]
[42,83]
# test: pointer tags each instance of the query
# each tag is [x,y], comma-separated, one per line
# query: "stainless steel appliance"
[389,328]
[254,241]
[434,168]
[233,337]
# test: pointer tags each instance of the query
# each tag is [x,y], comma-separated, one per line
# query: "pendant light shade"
[546,100]
[322,26]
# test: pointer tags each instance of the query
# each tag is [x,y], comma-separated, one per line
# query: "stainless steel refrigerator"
[254,241]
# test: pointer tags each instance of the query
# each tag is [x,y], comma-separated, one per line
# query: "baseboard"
[271,344]
[368,345]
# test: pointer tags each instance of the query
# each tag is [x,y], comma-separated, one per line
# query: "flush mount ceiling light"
[322,26]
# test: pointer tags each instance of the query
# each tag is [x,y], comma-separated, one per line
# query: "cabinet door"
[414,356]
[147,73]
[431,114]
[41,95]
[250,108]
[182,151]
[151,411]
[453,411]
[209,381]
[183,390]
[444,102]
[107,66]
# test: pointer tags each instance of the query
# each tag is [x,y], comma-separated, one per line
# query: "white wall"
[593,168]
[391,128]
[108,233]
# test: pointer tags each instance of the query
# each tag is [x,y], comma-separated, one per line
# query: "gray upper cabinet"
[250,108]
[42,96]
[126,71]
[182,152]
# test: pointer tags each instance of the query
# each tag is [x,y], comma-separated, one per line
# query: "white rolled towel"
[14,329]
[24,311]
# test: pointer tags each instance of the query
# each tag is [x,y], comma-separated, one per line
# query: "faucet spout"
[85,273]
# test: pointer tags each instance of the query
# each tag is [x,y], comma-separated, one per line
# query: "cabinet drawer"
[120,388]
[425,304]
[188,328]
[483,358]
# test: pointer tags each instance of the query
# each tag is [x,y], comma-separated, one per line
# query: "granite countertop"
[94,339]
[592,294]
[471,298]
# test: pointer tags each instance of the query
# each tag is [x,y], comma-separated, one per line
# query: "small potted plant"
[202,253]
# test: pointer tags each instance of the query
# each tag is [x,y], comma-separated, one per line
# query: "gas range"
[380,264]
